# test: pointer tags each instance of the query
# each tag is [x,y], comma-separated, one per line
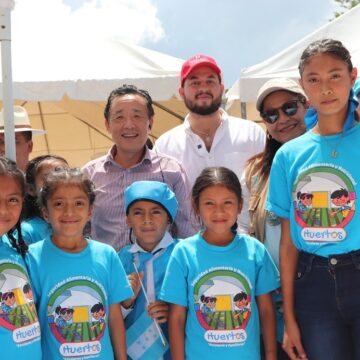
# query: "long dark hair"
[66,177]
[8,168]
[31,206]
[212,176]
[266,157]
[325,46]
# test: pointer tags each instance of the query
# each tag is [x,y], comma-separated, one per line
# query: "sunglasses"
[289,108]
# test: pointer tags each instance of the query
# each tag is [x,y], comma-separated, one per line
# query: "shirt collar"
[110,157]
[165,242]
[223,114]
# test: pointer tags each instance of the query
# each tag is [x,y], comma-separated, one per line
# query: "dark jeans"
[327,305]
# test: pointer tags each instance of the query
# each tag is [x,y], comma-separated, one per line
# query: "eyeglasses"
[289,108]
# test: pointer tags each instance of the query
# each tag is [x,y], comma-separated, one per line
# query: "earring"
[268,136]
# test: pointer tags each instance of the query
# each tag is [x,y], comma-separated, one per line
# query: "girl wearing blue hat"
[150,209]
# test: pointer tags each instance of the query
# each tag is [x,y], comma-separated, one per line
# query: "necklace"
[207,135]
[334,153]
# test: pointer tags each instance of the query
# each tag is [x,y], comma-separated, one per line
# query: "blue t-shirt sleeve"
[26,232]
[268,278]
[278,200]
[126,259]
[174,287]
[120,288]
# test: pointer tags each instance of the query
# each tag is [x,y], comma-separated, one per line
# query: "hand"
[292,342]
[134,280]
[159,310]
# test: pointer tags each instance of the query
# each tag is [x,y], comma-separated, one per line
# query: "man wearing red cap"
[208,135]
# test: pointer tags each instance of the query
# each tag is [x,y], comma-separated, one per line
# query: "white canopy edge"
[285,63]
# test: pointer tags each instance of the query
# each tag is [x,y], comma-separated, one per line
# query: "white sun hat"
[21,121]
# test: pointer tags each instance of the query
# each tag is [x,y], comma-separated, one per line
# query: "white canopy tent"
[91,71]
[64,88]
[345,28]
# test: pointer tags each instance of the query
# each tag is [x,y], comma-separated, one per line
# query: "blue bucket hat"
[154,191]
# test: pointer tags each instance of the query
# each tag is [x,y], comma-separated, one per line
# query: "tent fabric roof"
[76,130]
[91,71]
[345,28]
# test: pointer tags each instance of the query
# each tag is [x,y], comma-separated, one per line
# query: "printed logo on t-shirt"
[77,317]
[223,301]
[324,203]
[17,308]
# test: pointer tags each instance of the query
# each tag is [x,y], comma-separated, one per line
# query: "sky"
[237,33]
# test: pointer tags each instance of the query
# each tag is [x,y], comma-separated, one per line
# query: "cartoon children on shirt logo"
[208,305]
[222,301]
[15,310]
[98,313]
[77,316]
[324,203]
[340,198]
[64,318]
[304,202]
[17,314]
[243,306]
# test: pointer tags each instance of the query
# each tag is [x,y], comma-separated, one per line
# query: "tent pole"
[8,100]
[243,110]
[43,126]
[173,113]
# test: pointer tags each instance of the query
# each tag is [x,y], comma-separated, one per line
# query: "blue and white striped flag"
[143,341]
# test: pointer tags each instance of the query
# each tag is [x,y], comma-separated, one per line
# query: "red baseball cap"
[196,61]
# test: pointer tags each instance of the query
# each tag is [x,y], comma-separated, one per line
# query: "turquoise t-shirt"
[73,292]
[218,286]
[317,191]
[35,229]
[19,325]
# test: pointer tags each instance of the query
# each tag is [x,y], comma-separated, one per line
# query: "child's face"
[306,201]
[68,210]
[241,303]
[11,201]
[218,208]
[149,222]
[340,201]
[98,315]
[327,82]
[211,304]
[29,295]
[46,167]
[10,301]
[67,315]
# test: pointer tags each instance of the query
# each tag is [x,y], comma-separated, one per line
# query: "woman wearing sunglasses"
[282,104]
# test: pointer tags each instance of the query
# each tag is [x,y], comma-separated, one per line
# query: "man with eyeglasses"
[208,135]
[282,105]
